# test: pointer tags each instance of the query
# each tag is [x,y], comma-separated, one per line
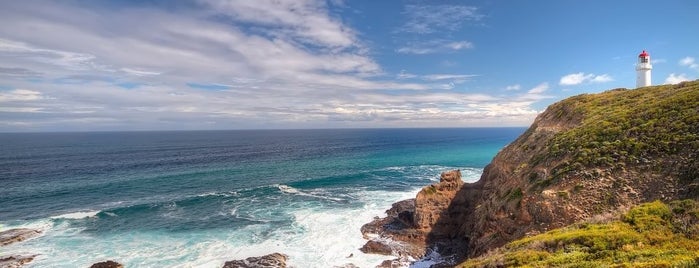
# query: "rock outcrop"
[376,247]
[107,264]
[15,261]
[13,236]
[584,156]
[17,235]
[413,226]
[274,260]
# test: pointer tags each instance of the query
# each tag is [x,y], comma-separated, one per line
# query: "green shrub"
[650,235]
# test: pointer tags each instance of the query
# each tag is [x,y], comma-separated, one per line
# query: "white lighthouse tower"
[643,68]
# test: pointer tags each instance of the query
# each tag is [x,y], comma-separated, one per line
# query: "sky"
[274,64]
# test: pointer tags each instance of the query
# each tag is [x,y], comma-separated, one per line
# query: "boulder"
[274,260]
[376,247]
[107,264]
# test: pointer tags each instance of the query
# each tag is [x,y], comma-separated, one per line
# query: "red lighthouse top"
[643,54]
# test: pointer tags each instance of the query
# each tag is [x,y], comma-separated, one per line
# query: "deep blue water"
[208,196]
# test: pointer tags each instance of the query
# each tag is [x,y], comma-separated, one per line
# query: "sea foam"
[77,215]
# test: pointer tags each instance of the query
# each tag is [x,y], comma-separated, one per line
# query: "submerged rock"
[15,261]
[107,264]
[276,260]
[17,235]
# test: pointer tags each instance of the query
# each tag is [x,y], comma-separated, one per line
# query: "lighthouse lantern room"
[643,68]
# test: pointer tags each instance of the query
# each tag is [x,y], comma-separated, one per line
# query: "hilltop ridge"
[586,156]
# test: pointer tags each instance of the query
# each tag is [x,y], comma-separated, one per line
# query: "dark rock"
[399,216]
[274,260]
[17,235]
[387,264]
[15,261]
[395,263]
[107,264]
[376,247]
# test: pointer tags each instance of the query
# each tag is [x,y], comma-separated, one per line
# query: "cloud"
[436,77]
[218,65]
[575,79]
[424,19]
[65,59]
[601,79]
[20,95]
[304,21]
[657,61]
[139,72]
[689,62]
[540,88]
[18,72]
[405,75]
[674,79]
[513,87]
[452,79]
[434,46]
[579,78]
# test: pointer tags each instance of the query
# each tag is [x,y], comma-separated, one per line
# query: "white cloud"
[137,72]
[65,59]
[405,75]
[579,78]
[448,81]
[435,77]
[513,87]
[459,45]
[434,46]
[273,64]
[306,20]
[602,78]
[657,61]
[423,19]
[20,95]
[689,62]
[540,88]
[575,79]
[674,79]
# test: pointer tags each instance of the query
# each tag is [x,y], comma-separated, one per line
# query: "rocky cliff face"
[583,157]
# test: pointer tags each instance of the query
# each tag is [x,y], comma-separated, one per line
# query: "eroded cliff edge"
[585,156]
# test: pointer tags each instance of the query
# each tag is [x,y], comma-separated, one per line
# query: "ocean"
[200,198]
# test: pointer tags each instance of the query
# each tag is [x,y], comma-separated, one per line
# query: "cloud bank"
[223,64]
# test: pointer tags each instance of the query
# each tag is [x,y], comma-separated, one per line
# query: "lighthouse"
[643,68]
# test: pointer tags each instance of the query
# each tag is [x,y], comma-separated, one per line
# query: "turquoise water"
[196,199]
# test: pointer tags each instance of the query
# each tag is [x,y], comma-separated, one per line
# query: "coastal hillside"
[584,156]
[591,156]
[650,235]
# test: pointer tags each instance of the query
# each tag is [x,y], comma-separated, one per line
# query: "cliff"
[586,156]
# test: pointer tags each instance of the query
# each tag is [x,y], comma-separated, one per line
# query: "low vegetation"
[628,127]
[653,234]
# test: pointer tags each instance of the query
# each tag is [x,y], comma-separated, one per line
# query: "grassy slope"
[629,127]
[652,129]
[651,235]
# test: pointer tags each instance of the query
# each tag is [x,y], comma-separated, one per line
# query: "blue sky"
[208,64]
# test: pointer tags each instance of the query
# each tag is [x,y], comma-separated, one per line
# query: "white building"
[643,68]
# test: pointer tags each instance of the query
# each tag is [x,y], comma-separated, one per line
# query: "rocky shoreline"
[274,260]
[14,236]
[415,227]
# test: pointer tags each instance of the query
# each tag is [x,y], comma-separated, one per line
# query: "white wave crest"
[291,190]
[77,215]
